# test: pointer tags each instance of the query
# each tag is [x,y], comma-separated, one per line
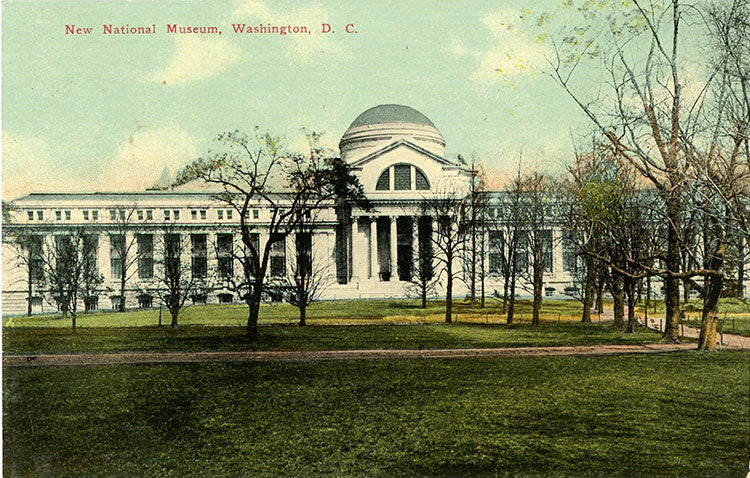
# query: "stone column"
[556,252]
[359,250]
[394,249]
[374,267]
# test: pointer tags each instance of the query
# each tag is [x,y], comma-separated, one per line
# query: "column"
[394,249]
[374,268]
[359,250]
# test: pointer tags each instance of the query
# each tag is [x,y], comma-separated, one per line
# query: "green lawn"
[315,337]
[329,312]
[682,414]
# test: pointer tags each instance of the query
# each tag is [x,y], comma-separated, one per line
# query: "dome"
[391,114]
[383,125]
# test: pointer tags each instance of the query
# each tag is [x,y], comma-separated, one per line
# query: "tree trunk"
[740,267]
[449,293]
[588,298]
[619,301]
[630,291]
[424,296]
[252,314]
[600,296]
[73,317]
[538,283]
[121,306]
[302,313]
[709,318]
[671,284]
[511,300]
[174,312]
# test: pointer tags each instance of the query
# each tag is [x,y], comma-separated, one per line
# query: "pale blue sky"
[102,112]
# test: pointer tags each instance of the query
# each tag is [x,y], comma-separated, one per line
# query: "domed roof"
[391,114]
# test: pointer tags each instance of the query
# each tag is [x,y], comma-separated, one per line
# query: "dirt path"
[724,340]
[46,360]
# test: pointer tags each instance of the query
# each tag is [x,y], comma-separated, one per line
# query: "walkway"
[127,358]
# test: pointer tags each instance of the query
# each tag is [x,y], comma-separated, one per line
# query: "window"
[140,214]
[176,214]
[36,301]
[40,215]
[198,254]
[203,214]
[95,215]
[85,215]
[198,299]
[67,214]
[172,249]
[149,214]
[91,302]
[220,214]
[145,256]
[115,302]
[166,214]
[224,245]
[145,301]
[304,253]
[90,253]
[421,180]
[522,257]
[229,214]
[278,258]
[496,247]
[121,214]
[256,214]
[116,254]
[194,215]
[112,214]
[384,181]
[402,177]
[225,298]
[545,239]
[569,256]
[58,215]
[36,259]
[549,291]
[31,215]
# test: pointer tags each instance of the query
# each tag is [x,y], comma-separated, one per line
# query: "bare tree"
[451,226]
[70,268]
[181,270]
[423,281]
[123,247]
[258,171]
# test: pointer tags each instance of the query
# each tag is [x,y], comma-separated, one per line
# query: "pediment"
[400,144]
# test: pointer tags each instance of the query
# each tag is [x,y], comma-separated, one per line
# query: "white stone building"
[399,157]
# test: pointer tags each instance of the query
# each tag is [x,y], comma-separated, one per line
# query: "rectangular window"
[546,243]
[522,254]
[112,214]
[220,214]
[121,214]
[40,215]
[90,256]
[149,214]
[67,214]
[166,214]
[402,177]
[176,214]
[58,215]
[36,259]
[145,256]
[278,258]
[85,215]
[140,214]
[229,214]
[172,250]
[199,256]
[116,251]
[256,214]
[224,246]
[203,214]
[145,301]
[31,215]
[569,250]
[95,214]
[496,249]
[304,253]
[193,214]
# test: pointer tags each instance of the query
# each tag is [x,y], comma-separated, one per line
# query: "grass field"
[314,337]
[328,312]
[684,414]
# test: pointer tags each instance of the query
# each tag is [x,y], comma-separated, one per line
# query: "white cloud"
[197,58]
[302,48]
[141,159]
[512,52]
[29,166]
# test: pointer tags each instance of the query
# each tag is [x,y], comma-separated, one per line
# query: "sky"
[103,112]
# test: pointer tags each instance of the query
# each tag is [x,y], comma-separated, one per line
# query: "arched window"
[403,179]
[383,181]
[421,182]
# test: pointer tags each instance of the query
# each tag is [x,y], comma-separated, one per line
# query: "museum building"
[396,152]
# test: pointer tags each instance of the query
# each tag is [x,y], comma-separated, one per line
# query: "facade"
[396,152]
